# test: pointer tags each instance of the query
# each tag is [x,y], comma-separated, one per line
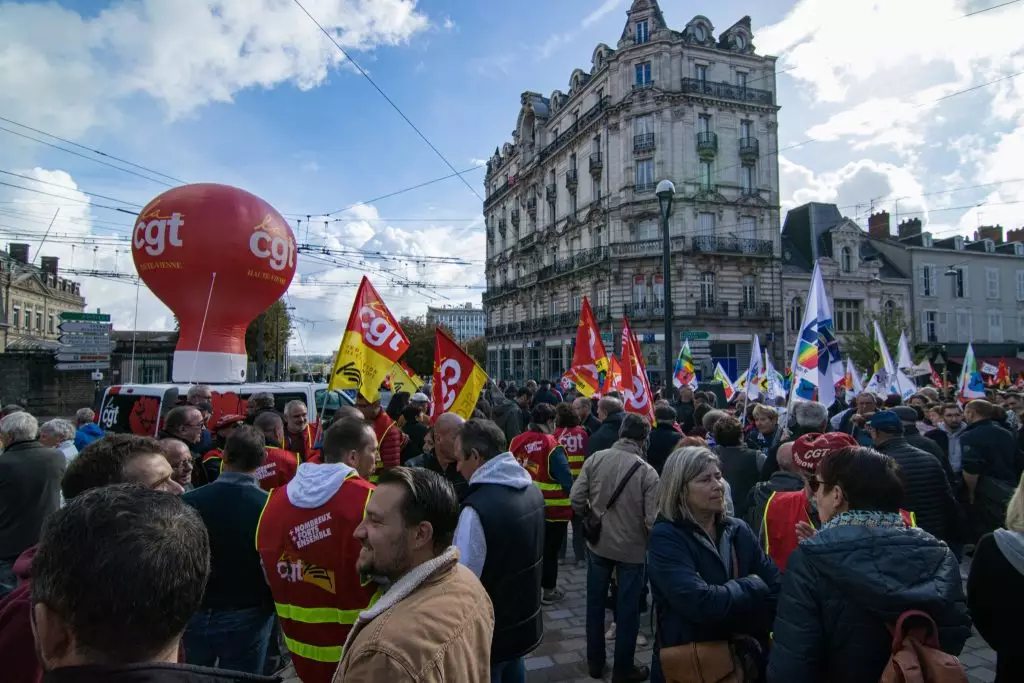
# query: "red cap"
[809,449]
[228,421]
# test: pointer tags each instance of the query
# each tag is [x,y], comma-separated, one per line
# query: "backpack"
[916,657]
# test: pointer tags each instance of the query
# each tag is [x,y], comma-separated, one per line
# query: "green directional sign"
[86,317]
[606,338]
[694,334]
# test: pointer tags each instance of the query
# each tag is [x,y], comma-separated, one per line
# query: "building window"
[572,204]
[658,291]
[642,34]
[796,314]
[704,123]
[889,310]
[639,291]
[647,230]
[643,74]
[645,174]
[707,175]
[741,79]
[642,125]
[995,327]
[746,128]
[931,326]
[749,291]
[963,326]
[705,224]
[707,289]
[50,327]
[701,72]
[960,282]
[847,260]
[928,283]
[847,315]
[596,188]
[28,318]
[747,179]
[15,317]
[1020,285]
[576,303]
[992,283]
[748,227]
[602,295]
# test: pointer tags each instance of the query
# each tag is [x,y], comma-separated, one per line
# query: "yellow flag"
[404,379]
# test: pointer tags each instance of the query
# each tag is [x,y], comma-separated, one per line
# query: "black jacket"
[545,396]
[926,489]
[842,588]
[507,416]
[922,442]
[757,499]
[995,591]
[592,424]
[663,441]
[684,415]
[451,473]
[151,673]
[739,467]
[417,433]
[30,475]
[989,450]
[607,434]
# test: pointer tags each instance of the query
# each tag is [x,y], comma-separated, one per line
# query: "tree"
[277,329]
[860,345]
[477,348]
[422,336]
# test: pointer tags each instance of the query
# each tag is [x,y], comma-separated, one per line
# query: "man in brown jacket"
[435,622]
[622,547]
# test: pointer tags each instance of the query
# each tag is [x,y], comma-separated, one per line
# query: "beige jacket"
[433,625]
[627,526]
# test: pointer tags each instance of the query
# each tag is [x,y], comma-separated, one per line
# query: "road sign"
[91,348]
[86,317]
[82,366]
[85,327]
[694,334]
[83,357]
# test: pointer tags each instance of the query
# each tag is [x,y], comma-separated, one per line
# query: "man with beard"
[436,621]
[305,539]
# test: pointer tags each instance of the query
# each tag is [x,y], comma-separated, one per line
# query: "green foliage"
[860,345]
[277,328]
[420,356]
[477,348]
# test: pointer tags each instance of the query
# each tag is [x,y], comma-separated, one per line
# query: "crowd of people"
[771,545]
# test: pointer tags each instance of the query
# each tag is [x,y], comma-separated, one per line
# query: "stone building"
[465,322]
[571,210]
[861,281]
[33,297]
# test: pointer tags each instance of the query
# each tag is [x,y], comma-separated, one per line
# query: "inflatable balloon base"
[200,366]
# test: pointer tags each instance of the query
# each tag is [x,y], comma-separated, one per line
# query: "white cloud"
[67,73]
[449,24]
[605,8]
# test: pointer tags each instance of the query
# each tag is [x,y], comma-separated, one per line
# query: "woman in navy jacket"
[694,547]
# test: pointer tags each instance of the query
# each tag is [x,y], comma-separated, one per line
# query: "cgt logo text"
[278,251]
[293,570]
[156,235]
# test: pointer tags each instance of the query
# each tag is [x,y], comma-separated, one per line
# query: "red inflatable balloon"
[218,257]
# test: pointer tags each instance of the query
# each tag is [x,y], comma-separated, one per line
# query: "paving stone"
[560,614]
[556,624]
[574,644]
[534,663]
[568,657]
[981,675]
[575,631]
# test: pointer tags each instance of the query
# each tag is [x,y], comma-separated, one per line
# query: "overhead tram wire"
[388,99]
[70,199]
[71,189]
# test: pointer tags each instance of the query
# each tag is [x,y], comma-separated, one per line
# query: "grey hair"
[84,416]
[711,417]
[20,426]
[610,405]
[262,399]
[58,427]
[682,467]
[810,414]
[194,390]
[635,427]
[291,405]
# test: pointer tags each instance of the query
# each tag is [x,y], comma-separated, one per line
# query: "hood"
[886,570]
[313,485]
[1011,543]
[23,565]
[502,470]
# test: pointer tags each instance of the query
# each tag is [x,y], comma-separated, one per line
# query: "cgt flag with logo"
[589,359]
[372,344]
[458,380]
[404,379]
[634,377]
[613,380]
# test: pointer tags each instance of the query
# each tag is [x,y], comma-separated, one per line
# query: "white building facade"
[465,322]
[571,211]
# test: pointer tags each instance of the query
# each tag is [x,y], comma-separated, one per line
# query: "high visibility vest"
[533,450]
[310,560]
[213,455]
[574,440]
[277,469]
[382,426]
[306,452]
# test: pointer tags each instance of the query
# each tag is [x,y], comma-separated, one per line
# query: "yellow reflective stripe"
[315,652]
[575,458]
[317,615]
[557,502]
[548,487]
[764,522]
[259,521]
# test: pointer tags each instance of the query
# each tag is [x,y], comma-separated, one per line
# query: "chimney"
[1015,235]
[909,228]
[48,264]
[18,252]
[989,232]
[878,225]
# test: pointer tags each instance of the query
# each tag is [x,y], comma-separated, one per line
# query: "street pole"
[666,190]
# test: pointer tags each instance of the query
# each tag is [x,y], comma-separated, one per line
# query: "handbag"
[714,661]
[592,521]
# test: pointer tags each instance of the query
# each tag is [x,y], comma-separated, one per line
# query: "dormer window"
[1018,249]
[926,240]
[700,34]
[958,243]
[990,246]
[846,260]
[642,34]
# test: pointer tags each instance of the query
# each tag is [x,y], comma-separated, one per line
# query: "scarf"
[869,518]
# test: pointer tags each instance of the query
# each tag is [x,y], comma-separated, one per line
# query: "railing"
[727,91]
[643,142]
[644,188]
[585,119]
[707,144]
[750,147]
[583,259]
[527,241]
[500,290]
[602,313]
[572,178]
[750,192]
[755,310]
[713,309]
[510,182]
[528,280]
[641,248]
[565,319]
[707,186]
[551,192]
[644,85]
[515,217]
[732,245]
[647,310]
[596,163]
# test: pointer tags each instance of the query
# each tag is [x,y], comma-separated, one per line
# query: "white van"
[140,408]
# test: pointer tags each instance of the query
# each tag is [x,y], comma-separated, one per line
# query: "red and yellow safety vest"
[533,450]
[305,441]
[382,427]
[278,468]
[574,440]
[310,560]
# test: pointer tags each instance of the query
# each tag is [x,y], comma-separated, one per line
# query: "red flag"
[613,380]
[1003,374]
[458,380]
[589,358]
[638,391]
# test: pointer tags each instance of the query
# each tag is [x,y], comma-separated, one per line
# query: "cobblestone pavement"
[561,656]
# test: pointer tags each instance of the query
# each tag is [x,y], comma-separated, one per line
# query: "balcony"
[732,245]
[727,91]
[750,148]
[643,142]
[596,164]
[644,85]
[644,188]
[583,259]
[527,241]
[712,309]
[569,133]
[502,190]
[551,192]
[566,319]
[755,310]
[707,145]
[641,248]
[515,217]
[502,225]
[602,313]
[647,310]
[572,179]
[531,207]
[500,290]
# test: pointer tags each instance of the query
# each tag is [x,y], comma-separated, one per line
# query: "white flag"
[753,374]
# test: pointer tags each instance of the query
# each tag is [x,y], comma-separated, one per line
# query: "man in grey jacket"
[622,545]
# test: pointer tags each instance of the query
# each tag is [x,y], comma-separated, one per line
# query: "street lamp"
[666,191]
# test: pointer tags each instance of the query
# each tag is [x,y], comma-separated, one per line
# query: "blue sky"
[254,96]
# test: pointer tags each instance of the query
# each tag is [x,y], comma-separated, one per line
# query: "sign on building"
[85,342]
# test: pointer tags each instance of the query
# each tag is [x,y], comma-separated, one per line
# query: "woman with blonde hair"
[995,589]
[714,588]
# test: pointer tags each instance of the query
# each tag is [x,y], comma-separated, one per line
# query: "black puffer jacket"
[928,494]
[739,467]
[664,438]
[845,585]
[989,450]
[605,436]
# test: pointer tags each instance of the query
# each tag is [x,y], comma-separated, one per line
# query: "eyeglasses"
[814,483]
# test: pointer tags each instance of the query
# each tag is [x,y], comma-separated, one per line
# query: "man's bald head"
[608,405]
[446,429]
[784,456]
[272,426]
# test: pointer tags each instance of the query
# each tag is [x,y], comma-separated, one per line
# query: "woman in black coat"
[995,590]
[848,583]
[693,557]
